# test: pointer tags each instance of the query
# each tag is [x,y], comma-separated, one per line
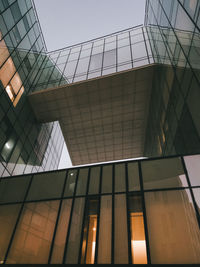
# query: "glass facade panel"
[105,230]
[121,233]
[94,180]
[90,231]
[46,185]
[70,184]
[138,239]
[174,236]
[133,177]
[73,244]
[34,233]
[120,181]
[107,179]
[82,182]
[8,218]
[13,189]
[60,238]
[157,174]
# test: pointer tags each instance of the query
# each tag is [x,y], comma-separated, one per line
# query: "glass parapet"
[105,55]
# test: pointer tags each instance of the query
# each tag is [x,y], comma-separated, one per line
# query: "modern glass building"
[25,145]
[133,93]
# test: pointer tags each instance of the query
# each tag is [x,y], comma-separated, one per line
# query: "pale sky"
[69,22]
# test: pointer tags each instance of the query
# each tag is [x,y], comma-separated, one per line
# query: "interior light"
[71,174]
[10,92]
[8,145]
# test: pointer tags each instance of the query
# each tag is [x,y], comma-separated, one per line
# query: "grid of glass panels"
[142,211]
[109,54]
[25,145]
[174,34]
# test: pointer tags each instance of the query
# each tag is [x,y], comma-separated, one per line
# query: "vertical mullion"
[116,52]
[89,61]
[54,66]
[77,64]
[191,191]
[128,216]
[130,48]
[70,220]
[145,44]
[57,219]
[83,221]
[103,56]
[98,215]
[113,216]
[18,219]
[62,74]
[144,213]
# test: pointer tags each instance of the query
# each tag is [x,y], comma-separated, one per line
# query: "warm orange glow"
[91,243]
[10,92]
[8,74]
[138,243]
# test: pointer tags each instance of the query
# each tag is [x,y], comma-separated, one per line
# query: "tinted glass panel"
[8,217]
[105,230]
[174,235]
[121,235]
[94,180]
[120,185]
[13,189]
[32,240]
[133,177]
[75,232]
[82,182]
[107,179]
[70,184]
[60,238]
[163,173]
[46,185]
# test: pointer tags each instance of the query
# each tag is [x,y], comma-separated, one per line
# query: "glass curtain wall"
[153,216]
[174,34]
[25,145]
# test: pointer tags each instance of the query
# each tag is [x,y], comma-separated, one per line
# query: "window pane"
[107,179]
[121,235]
[46,185]
[105,230]
[75,232]
[174,235]
[193,167]
[8,217]
[163,173]
[13,189]
[120,185]
[32,240]
[82,182]
[94,180]
[133,177]
[90,230]
[138,240]
[70,184]
[60,238]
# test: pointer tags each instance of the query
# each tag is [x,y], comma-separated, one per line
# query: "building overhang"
[102,119]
